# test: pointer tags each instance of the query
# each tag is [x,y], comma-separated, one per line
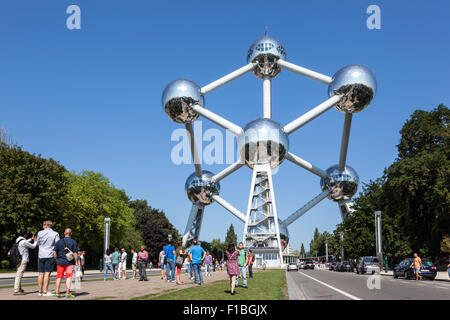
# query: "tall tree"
[231,235]
[302,251]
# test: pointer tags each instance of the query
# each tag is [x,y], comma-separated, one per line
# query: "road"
[331,285]
[90,276]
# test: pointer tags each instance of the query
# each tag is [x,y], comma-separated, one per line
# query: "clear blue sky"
[90,98]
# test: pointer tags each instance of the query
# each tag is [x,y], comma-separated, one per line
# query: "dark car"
[309,264]
[346,266]
[337,267]
[332,265]
[404,269]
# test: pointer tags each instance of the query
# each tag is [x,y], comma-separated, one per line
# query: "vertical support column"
[107,234]
[342,247]
[378,236]
[267,97]
[326,251]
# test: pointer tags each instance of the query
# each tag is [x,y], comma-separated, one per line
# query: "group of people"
[53,251]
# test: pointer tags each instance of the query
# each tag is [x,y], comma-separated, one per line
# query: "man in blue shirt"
[66,254]
[115,262]
[197,254]
[169,251]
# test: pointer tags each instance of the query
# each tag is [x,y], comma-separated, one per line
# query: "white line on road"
[331,287]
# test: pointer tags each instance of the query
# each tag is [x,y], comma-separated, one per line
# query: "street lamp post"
[378,236]
[326,251]
[107,234]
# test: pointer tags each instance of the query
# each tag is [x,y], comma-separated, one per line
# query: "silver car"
[368,265]
[292,266]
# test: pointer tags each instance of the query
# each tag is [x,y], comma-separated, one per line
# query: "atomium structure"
[263,144]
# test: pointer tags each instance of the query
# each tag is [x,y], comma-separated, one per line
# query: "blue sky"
[90,98]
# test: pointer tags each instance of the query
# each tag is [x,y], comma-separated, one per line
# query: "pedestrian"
[46,240]
[66,254]
[232,265]
[197,255]
[169,251]
[208,264]
[214,261]
[123,265]
[251,260]
[108,264]
[417,264]
[187,263]
[80,261]
[161,264]
[448,267]
[83,255]
[242,262]
[221,264]
[180,254]
[142,264]
[23,246]
[264,264]
[134,263]
[150,265]
[115,262]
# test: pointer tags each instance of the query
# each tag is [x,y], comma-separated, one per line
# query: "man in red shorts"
[66,255]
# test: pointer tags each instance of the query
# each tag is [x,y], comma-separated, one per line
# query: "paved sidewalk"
[114,290]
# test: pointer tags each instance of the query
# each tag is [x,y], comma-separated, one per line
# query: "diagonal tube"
[312,114]
[306,165]
[229,77]
[230,208]
[308,206]
[197,165]
[224,123]
[344,142]
[227,171]
[305,72]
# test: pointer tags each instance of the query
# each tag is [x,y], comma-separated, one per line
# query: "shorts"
[416,269]
[133,267]
[61,269]
[122,266]
[115,266]
[46,264]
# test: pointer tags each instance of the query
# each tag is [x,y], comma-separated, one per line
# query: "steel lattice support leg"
[194,224]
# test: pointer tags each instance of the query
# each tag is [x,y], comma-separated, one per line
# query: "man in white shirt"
[123,264]
[46,240]
[23,246]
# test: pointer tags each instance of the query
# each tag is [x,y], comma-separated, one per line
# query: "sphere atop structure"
[343,185]
[177,99]
[262,141]
[201,189]
[266,51]
[358,85]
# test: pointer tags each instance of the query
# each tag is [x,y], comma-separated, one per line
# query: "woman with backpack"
[232,265]
[179,260]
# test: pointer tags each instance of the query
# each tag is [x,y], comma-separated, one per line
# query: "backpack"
[253,257]
[14,255]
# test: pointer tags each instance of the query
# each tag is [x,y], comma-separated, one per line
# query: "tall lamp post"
[107,234]
[378,236]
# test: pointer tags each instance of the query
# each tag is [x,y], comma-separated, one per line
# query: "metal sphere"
[343,185]
[266,51]
[268,226]
[201,189]
[177,99]
[262,141]
[358,85]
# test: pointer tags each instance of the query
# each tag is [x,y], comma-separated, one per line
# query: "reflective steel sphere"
[177,99]
[358,85]
[268,226]
[343,185]
[266,51]
[262,141]
[201,189]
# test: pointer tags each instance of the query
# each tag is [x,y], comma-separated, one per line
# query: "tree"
[155,232]
[231,235]
[302,251]
[32,190]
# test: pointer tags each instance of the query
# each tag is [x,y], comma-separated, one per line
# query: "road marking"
[331,287]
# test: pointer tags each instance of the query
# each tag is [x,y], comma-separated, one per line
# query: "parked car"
[403,269]
[332,266]
[369,265]
[346,266]
[337,267]
[301,265]
[309,264]
[292,266]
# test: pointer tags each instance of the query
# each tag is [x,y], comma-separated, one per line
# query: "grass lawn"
[265,285]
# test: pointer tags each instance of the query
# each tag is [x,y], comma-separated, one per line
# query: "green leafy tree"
[32,190]
[231,235]
[302,251]
[218,248]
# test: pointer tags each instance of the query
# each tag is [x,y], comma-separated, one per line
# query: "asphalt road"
[91,276]
[331,285]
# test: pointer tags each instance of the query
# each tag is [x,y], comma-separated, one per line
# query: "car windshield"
[427,263]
